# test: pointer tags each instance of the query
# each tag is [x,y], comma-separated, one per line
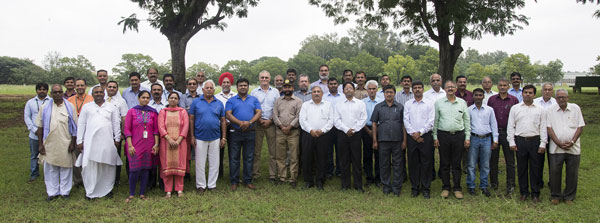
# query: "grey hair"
[304,75]
[485,78]
[432,76]
[372,82]
[263,72]
[315,86]
[561,90]
[208,81]
[548,83]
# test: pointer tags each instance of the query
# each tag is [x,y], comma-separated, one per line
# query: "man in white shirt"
[316,119]
[546,101]
[32,107]
[436,92]
[565,125]
[526,134]
[419,115]
[152,74]
[112,88]
[332,96]
[98,131]
[350,118]
[225,81]
[487,84]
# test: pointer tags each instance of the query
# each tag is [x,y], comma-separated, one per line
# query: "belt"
[481,136]
[529,138]
[452,132]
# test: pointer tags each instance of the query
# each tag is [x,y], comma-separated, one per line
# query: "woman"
[173,125]
[141,130]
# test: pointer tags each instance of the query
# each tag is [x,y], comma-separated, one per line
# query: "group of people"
[321,129]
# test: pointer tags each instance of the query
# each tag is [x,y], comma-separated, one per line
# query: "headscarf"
[226,75]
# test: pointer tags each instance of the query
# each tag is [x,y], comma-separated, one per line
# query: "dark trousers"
[333,143]
[419,162]
[391,160]
[528,165]
[222,151]
[350,154]
[314,148]
[241,141]
[154,178]
[368,154]
[572,165]
[451,152]
[118,172]
[509,157]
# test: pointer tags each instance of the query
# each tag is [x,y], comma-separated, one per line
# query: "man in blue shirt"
[367,136]
[516,90]
[130,94]
[242,111]
[30,114]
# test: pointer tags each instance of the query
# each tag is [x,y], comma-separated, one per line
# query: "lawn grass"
[22,202]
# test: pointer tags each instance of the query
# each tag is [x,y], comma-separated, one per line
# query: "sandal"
[129,199]
[179,193]
[168,195]
[144,198]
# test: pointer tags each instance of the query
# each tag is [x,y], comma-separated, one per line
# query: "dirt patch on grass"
[11,109]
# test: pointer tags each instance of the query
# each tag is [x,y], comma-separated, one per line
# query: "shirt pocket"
[62,118]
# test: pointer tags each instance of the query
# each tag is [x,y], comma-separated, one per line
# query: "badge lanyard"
[145,120]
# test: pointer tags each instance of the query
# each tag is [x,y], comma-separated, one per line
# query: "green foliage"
[328,46]
[20,71]
[428,63]
[372,41]
[59,67]
[136,62]
[274,65]
[596,68]
[306,64]
[398,66]
[519,63]
[337,67]
[551,72]
[368,63]
[239,68]
[211,71]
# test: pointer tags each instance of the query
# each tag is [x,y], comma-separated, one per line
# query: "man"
[121,106]
[316,119]
[565,125]
[57,133]
[303,84]
[527,135]
[98,132]
[486,84]
[546,101]
[208,135]
[278,81]
[152,75]
[462,92]
[436,92]
[406,94]
[367,137]
[188,98]
[383,81]
[501,103]
[350,118]
[225,80]
[130,94]
[332,96]
[291,74]
[285,116]
[157,102]
[243,111]
[200,77]
[102,76]
[81,98]
[347,76]
[516,79]
[69,84]
[32,107]
[419,115]
[361,88]
[389,137]
[323,79]
[451,134]
[265,128]
[484,131]
[169,81]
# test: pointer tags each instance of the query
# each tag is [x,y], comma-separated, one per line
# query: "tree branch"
[423,14]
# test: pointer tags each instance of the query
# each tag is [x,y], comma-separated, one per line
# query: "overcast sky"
[561,30]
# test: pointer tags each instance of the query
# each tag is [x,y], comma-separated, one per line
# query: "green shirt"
[451,117]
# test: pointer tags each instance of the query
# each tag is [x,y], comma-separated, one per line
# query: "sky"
[562,30]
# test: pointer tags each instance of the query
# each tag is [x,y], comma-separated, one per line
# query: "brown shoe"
[536,200]
[458,194]
[200,190]
[569,202]
[251,186]
[445,193]
[523,197]
[233,187]
[554,201]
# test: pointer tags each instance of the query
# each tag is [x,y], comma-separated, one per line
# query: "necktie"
[109,98]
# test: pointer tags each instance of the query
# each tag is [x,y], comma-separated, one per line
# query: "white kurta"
[98,128]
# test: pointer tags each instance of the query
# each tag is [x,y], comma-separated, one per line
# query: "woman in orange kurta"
[173,125]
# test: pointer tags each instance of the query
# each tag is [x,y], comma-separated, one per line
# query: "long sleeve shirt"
[316,116]
[452,116]
[526,121]
[483,121]
[350,114]
[502,108]
[419,116]
[370,105]
[267,100]
[30,113]
[286,111]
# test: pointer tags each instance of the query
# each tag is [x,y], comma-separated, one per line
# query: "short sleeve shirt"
[207,118]
[243,110]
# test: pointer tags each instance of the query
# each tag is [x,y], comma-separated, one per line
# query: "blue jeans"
[481,148]
[33,163]
[241,139]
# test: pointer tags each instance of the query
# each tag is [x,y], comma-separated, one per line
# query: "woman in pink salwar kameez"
[173,125]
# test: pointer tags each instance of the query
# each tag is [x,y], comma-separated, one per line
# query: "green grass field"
[23,202]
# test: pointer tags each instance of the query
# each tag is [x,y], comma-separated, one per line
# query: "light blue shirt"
[518,94]
[31,112]
[370,104]
[132,97]
[332,99]
[483,121]
[181,97]
[266,99]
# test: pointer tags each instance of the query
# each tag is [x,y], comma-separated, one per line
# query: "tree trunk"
[178,47]
[448,56]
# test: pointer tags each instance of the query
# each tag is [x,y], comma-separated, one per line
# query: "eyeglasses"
[323,70]
[192,84]
[264,77]
[515,79]
[57,92]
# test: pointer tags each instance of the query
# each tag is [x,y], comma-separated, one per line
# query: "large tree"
[135,62]
[180,20]
[443,21]
[20,71]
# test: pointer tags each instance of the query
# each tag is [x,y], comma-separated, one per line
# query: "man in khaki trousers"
[286,114]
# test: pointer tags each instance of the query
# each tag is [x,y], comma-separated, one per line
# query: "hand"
[467,144]
[244,125]
[404,145]
[193,141]
[436,143]
[416,135]
[122,137]
[350,132]
[42,149]
[319,133]
[266,122]
[541,150]
[286,129]
[155,149]
[80,147]
[420,140]
[514,148]
[375,145]
[494,145]
[370,132]
[72,148]
[117,144]
[131,150]
[222,143]
[314,133]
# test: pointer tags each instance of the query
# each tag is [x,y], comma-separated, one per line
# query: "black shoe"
[273,180]
[378,183]
[319,186]
[293,184]
[201,190]
[471,191]
[426,195]
[50,198]
[65,196]
[109,195]
[494,186]
[510,190]
[386,190]
[486,192]
[414,193]
[280,182]
[345,188]
[360,189]
[308,186]
[329,176]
